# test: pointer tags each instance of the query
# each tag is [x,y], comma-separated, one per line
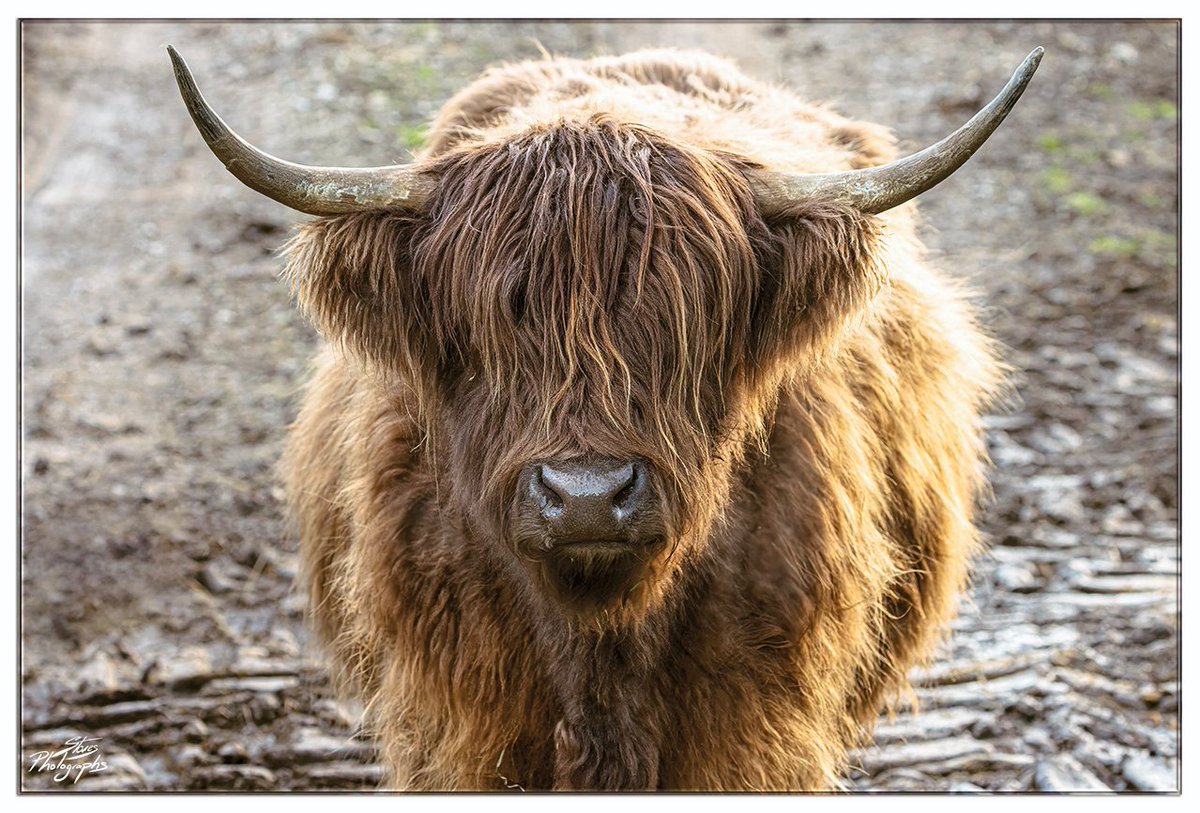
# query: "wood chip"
[874,760]
[1063,774]
[1147,773]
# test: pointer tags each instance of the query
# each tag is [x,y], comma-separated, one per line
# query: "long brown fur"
[593,277]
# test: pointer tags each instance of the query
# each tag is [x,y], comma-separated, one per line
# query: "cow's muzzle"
[589,506]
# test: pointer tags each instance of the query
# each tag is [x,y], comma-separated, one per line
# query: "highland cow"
[646,443]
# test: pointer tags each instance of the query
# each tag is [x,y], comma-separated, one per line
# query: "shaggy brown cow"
[645,449]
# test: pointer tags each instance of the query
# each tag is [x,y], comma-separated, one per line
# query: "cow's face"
[595,323]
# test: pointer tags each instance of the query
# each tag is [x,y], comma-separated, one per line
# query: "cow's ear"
[352,276]
[821,267]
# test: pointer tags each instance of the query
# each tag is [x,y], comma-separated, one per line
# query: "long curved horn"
[314,190]
[877,189]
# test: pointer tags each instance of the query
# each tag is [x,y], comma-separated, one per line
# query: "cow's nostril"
[552,498]
[628,494]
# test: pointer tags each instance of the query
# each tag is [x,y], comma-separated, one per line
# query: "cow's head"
[592,319]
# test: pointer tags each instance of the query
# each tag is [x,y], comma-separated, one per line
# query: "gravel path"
[161,361]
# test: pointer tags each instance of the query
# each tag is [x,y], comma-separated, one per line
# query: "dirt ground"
[161,361]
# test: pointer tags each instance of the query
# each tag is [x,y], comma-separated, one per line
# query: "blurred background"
[162,359]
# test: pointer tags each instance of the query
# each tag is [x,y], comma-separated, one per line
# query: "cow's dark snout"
[596,501]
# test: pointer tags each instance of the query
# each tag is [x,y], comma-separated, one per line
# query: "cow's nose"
[589,502]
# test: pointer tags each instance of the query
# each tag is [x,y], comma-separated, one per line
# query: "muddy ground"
[162,358]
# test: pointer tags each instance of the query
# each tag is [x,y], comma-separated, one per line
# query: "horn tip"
[1026,69]
[176,58]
